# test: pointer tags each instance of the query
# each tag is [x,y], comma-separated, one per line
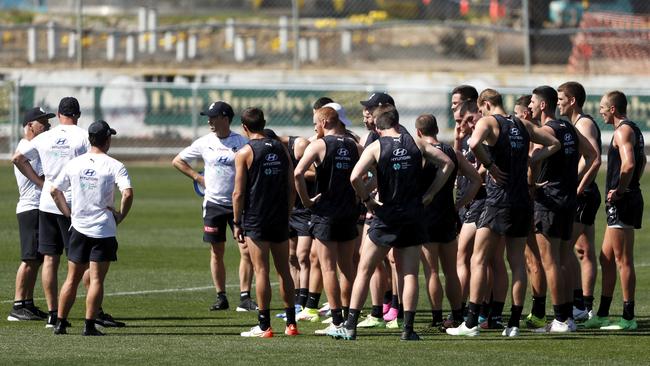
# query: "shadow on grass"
[149,334]
[182,326]
[188,318]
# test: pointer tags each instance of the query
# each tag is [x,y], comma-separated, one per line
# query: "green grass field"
[161,287]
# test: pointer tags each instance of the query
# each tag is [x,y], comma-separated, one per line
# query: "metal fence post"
[180,48]
[130,48]
[152,25]
[239,49]
[230,33]
[73,38]
[526,33]
[195,111]
[313,49]
[110,47]
[296,35]
[51,41]
[80,36]
[169,43]
[191,45]
[142,29]
[31,45]
[283,34]
[346,42]
[15,112]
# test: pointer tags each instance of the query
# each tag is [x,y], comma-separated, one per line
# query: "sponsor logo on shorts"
[210,229]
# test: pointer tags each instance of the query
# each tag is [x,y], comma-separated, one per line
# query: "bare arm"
[445,168]
[549,145]
[624,140]
[311,155]
[59,200]
[291,194]
[125,205]
[22,163]
[483,133]
[591,161]
[467,170]
[241,177]
[186,169]
[367,161]
[299,147]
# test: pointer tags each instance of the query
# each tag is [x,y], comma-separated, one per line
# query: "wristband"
[236,223]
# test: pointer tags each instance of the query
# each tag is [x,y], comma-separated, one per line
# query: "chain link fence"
[581,37]
[156,120]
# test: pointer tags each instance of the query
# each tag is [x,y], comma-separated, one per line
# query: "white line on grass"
[146,292]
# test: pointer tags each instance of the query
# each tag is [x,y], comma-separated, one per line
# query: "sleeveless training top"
[311,185]
[338,200]
[443,202]
[593,186]
[510,154]
[267,186]
[398,169]
[560,170]
[462,183]
[614,161]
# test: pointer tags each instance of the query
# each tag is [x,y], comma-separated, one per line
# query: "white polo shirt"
[29,193]
[91,178]
[55,148]
[219,158]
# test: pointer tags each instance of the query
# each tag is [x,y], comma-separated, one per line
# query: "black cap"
[101,129]
[69,106]
[219,108]
[35,114]
[377,99]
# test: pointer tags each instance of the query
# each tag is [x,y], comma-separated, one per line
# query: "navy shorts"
[554,224]
[472,212]
[626,212]
[215,219]
[326,229]
[299,223]
[28,231]
[443,228]
[588,205]
[53,233]
[507,221]
[84,249]
[397,235]
[274,233]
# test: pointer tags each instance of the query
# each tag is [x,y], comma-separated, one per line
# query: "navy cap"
[219,108]
[377,99]
[101,128]
[35,114]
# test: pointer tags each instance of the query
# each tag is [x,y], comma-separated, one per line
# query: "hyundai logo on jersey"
[400,152]
[61,141]
[271,157]
[89,172]
[342,152]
